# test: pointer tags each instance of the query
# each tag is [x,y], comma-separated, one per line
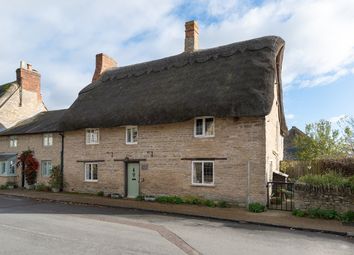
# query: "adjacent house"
[39,134]
[206,122]
[290,148]
[21,99]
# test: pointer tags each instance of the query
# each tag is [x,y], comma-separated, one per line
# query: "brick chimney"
[191,41]
[103,63]
[29,79]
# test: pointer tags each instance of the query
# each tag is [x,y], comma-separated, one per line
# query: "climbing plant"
[30,166]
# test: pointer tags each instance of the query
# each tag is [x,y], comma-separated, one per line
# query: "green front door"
[133,180]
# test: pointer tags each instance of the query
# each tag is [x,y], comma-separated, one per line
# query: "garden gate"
[280,196]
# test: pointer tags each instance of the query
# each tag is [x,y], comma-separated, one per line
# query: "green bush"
[330,179]
[347,217]
[324,214]
[222,204]
[3,186]
[256,207]
[100,194]
[191,200]
[299,213]
[169,199]
[139,198]
[42,187]
[209,203]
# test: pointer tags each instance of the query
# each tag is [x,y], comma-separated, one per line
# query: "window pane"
[2,167]
[208,172]
[129,135]
[199,127]
[94,172]
[87,172]
[209,126]
[197,174]
[134,135]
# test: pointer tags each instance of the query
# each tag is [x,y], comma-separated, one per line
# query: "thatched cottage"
[206,122]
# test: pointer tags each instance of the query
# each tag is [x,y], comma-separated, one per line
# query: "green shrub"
[3,186]
[256,207]
[347,217]
[209,203]
[100,194]
[139,198]
[169,199]
[42,187]
[193,200]
[330,179]
[299,213]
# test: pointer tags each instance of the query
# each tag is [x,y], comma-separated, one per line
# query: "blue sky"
[61,39]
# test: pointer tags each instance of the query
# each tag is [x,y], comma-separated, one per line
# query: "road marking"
[164,232]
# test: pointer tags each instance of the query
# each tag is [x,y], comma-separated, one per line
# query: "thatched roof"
[235,80]
[44,122]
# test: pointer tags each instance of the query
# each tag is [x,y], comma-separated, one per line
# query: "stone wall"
[41,152]
[240,141]
[306,197]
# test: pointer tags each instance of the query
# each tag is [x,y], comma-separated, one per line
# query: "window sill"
[203,185]
[131,143]
[90,180]
[8,175]
[92,143]
[203,136]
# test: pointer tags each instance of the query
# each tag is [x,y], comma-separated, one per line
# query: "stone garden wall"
[306,197]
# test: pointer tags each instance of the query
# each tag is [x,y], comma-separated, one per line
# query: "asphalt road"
[33,227]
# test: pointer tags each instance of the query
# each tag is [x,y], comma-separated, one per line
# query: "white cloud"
[290,116]
[336,119]
[61,39]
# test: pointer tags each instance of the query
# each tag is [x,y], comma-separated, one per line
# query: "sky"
[61,38]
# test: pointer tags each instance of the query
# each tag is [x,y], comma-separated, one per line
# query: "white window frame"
[203,183]
[47,139]
[203,135]
[129,129]
[13,141]
[47,172]
[5,167]
[88,134]
[88,168]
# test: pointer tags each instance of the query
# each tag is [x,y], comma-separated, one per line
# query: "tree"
[347,124]
[320,142]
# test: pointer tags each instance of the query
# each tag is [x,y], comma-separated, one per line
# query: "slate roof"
[235,80]
[7,156]
[44,122]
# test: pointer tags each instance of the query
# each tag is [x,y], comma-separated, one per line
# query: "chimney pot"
[191,41]
[103,63]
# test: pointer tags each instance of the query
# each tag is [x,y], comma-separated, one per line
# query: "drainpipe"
[62,161]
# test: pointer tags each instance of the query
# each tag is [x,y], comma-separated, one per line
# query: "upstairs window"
[203,172]
[13,141]
[204,127]
[46,168]
[131,135]
[91,172]
[92,136]
[48,139]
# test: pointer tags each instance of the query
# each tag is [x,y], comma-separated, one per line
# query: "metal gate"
[280,196]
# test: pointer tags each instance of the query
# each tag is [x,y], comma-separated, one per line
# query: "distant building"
[21,99]
[290,148]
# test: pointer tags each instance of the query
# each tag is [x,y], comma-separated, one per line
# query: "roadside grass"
[329,180]
[319,213]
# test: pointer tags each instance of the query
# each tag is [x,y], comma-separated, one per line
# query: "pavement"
[28,226]
[273,218]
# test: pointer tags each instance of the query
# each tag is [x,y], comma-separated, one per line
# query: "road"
[34,227]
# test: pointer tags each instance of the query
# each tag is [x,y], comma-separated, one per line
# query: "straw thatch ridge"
[235,80]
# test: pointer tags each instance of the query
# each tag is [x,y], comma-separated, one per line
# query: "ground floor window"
[203,172]
[46,167]
[91,172]
[8,168]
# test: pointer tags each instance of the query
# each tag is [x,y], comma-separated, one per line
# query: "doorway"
[133,177]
